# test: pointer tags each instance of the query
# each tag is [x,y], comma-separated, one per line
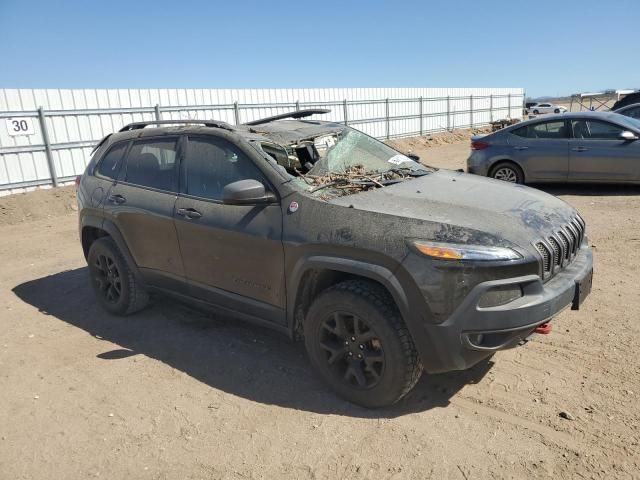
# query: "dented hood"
[478,205]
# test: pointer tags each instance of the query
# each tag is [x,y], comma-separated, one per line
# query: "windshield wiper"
[412,172]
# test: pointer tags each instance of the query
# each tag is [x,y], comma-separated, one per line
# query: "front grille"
[560,248]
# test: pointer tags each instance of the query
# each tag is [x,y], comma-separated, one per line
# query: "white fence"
[46,135]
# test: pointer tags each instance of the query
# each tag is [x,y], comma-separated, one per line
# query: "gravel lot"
[173,393]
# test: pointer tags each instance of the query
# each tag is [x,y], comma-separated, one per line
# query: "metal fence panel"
[74,120]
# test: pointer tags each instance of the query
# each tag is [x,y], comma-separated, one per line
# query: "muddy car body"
[382,271]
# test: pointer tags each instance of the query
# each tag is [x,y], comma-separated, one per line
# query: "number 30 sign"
[20,126]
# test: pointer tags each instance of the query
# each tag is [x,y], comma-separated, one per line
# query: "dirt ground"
[172,393]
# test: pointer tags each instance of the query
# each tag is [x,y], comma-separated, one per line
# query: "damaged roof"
[279,129]
[291,131]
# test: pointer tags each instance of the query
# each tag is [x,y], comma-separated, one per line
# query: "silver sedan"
[571,147]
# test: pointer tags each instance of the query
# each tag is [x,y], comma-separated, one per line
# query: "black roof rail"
[206,123]
[296,114]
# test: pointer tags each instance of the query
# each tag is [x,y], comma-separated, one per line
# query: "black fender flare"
[112,230]
[378,273]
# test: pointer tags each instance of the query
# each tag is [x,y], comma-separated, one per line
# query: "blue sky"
[547,47]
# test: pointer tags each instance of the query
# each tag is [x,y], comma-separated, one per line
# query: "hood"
[482,208]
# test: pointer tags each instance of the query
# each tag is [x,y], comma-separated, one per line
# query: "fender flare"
[378,273]
[112,230]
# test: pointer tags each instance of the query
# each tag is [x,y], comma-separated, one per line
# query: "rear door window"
[555,129]
[595,130]
[110,164]
[152,163]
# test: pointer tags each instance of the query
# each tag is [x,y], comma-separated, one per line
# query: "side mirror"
[628,136]
[413,157]
[245,192]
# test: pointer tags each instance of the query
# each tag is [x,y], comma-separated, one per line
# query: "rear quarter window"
[110,164]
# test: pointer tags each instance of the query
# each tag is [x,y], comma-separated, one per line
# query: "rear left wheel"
[357,341]
[115,286]
[507,172]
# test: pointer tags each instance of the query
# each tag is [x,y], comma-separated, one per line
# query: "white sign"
[398,159]
[20,126]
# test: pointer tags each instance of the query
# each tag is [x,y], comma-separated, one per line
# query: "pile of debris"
[354,179]
[505,122]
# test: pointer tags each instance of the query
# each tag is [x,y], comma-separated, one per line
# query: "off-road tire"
[132,296]
[375,308]
[518,174]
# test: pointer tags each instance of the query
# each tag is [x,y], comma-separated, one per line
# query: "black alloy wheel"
[353,350]
[107,278]
[116,287]
[357,341]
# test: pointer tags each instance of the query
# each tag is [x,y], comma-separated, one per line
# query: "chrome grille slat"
[566,244]
[576,236]
[579,226]
[546,257]
[557,252]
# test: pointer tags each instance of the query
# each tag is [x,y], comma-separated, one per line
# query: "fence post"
[47,147]
[297,105]
[236,113]
[448,113]
[386,114]
[509,97]
[471,109]
[344,107]
[420,113]
[157,110]
[490,108]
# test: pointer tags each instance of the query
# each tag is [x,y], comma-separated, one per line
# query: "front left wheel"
[357,341]
[116,288]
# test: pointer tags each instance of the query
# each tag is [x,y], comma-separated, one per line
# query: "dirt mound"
[37,205]
[427,141]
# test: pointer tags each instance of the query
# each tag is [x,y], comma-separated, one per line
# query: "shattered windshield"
[346,161]
[351,148]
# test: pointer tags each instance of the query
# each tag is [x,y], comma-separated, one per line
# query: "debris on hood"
[354,179]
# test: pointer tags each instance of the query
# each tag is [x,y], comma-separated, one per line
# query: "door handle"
[579,149]
[117,199]
[189,213]
[522,148]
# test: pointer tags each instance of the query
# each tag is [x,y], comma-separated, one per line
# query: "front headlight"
[453,251]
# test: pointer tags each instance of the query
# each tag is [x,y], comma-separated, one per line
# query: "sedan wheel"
[506,174]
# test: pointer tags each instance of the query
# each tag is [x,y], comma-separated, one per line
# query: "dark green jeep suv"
[384,267]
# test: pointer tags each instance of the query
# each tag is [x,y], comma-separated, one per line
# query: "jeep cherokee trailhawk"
[383,266]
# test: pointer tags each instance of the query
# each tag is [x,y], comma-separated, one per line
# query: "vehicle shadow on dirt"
[591,190]
[251,362]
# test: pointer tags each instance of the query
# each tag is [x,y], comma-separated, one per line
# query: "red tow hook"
[544,329]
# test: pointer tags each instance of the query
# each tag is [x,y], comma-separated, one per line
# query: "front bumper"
[473,333]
